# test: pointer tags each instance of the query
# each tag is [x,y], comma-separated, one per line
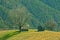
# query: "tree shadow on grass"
[9,35]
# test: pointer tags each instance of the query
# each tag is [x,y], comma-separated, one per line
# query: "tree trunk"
[20,28]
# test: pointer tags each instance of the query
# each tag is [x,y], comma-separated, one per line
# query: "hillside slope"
[52,3]
[12,12]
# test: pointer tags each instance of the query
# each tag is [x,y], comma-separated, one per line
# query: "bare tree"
[50,25]
[19,16]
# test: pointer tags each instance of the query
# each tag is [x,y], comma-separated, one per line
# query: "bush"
[40,28]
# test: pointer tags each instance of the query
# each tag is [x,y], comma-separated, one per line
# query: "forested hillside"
[33,12]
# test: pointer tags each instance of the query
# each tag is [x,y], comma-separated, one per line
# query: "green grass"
[8,33]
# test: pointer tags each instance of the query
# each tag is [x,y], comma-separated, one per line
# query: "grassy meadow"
[30,35]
